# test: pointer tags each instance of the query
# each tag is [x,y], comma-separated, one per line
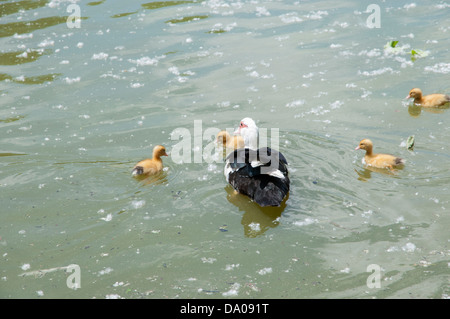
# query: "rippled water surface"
[81,104]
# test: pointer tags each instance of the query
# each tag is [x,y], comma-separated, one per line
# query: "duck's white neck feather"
[251,138]
[249,133]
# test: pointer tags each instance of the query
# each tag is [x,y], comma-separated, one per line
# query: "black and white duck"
[259,173]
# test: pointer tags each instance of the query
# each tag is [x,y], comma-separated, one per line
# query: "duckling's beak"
[357,148]
[408,97]
[165,154]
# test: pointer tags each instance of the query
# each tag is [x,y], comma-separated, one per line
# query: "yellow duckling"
[430,100]
[153,165]
[232,142]
[378,160]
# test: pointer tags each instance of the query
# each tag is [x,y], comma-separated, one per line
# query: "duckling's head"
[159,151]
[415,94]
[222,137]
[366,145]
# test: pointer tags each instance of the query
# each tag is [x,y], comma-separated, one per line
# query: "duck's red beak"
[238,131]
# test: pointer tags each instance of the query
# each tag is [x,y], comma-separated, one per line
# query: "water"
[80,106]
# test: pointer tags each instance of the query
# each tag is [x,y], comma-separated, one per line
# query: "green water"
[80,106]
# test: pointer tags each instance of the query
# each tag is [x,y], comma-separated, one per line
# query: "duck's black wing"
[260,174]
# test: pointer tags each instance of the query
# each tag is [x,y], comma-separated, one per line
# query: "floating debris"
[392,44]
[418,54]
[410,143]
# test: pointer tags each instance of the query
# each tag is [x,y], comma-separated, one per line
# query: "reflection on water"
[163,4]
[366,173]
[14,7]
[39,79]
[256,219]
[121,15]
[21,57]
[9,29]
[415,110]
[95,3]
[155,179]
[11,154]
[16,29]
[187,19]
[11,119]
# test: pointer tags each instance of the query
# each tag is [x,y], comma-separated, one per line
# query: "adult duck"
[378,160]
[261,174]
[430,100]
[152,165]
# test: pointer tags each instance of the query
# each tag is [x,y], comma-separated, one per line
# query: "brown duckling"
[431,100]
[232,142]
[153,165]
[378,160]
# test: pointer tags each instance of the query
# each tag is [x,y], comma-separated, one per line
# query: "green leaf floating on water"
[410,142]
[392,44]
[418,54]
[391,47]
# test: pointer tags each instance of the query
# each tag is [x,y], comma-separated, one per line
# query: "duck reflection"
[256,219]
[415,110]
[366,173]
[156,179]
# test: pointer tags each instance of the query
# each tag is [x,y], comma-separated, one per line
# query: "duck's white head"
[249,132]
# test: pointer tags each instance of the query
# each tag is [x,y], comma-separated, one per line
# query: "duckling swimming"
[232,142]
[378,160]
[151,166]
[431,100]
